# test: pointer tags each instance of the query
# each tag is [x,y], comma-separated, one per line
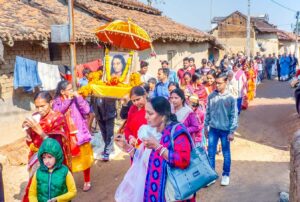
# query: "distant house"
[231,32]
[287,42]
[25,31]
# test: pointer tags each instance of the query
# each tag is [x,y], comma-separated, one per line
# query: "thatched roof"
[30,20]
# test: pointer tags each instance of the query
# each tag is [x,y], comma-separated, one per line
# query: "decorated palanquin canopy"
[126,35]
[123,34]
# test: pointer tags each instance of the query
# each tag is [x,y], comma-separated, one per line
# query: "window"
[171,54]
[55,52]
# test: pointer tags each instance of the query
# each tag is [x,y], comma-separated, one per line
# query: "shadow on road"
[105,179]
[271,125]
[274,89]
[250,181]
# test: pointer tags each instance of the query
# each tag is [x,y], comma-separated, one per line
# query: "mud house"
[286,42]
[25,31]
[231,31]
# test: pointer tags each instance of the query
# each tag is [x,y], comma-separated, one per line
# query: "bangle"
[158,148]
[162,151]
[130,150]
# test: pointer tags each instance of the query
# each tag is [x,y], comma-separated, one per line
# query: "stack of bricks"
[34,51]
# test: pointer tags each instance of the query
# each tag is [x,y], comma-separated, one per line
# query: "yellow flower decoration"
[128,65]
[135,79]
[94,78]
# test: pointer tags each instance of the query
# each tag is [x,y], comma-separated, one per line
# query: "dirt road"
[260,156]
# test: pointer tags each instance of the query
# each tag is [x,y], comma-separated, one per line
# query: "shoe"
[211,183]
[105,157]
[225,180]
[87,186]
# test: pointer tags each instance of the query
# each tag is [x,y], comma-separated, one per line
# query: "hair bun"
[173,118]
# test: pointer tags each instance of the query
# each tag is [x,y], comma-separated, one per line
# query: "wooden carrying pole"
[72,41]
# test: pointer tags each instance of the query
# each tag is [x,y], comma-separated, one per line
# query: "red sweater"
[136,118]
[181,72]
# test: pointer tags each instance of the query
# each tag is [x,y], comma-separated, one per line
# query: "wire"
[283,6]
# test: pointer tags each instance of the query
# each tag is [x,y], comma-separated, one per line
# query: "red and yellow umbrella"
[124,35]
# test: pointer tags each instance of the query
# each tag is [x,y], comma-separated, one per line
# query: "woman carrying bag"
[171,151]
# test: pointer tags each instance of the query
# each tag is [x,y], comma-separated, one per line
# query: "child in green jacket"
[52,182]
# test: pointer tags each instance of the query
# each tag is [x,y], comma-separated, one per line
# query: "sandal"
[87,186]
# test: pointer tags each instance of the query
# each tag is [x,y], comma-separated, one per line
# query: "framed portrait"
[117,62]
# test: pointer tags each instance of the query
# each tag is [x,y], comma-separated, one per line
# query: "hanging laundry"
[49,75]
[2,61]
[93,66]
[26,74]
[65,72]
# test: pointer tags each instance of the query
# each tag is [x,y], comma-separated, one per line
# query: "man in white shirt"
[143,72]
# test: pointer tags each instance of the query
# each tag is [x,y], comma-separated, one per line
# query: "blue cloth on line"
[26,74]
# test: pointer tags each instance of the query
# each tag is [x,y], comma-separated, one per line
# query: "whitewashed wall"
[269,41]
[287,46]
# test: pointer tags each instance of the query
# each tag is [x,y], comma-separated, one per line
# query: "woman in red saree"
[136,115]
[45,123]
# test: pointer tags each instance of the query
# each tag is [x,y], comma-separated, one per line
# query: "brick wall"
[15,105]
[85,53]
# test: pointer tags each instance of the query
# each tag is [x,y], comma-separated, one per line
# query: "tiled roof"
[286,36]
[158,26]
[133,5]
[31,21]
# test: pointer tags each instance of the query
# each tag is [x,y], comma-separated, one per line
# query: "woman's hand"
[151,143]
[230,137]
[35,126]
[52,200]
[125,100]
[121,142]
[75,94]
[132,140]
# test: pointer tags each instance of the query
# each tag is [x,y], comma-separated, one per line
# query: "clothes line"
[29,74]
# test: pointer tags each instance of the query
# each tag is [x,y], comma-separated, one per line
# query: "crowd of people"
[205,101]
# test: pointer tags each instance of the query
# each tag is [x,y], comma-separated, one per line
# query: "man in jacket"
[220,123]
[106,112]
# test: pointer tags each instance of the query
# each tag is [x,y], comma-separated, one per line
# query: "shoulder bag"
[182,184]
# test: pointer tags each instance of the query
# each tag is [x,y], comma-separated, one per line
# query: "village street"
[260,156]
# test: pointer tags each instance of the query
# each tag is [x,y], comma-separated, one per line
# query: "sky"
[196,13]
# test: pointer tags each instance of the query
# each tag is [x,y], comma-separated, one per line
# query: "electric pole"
[210,14]
[248,32]
[297,33]
[72,41]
